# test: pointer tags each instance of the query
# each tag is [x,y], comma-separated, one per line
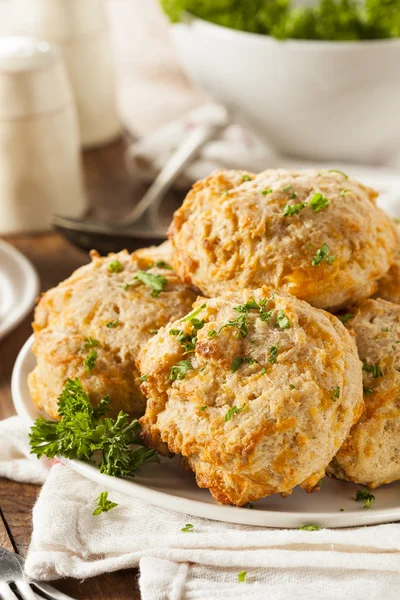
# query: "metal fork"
[15,586]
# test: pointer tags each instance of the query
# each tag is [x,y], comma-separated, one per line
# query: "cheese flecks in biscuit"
[256,390]
[371,453]
[92,326]
[316,235]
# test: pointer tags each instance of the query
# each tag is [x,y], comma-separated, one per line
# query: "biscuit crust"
[316,235]
[262,405]
[371,453]
[94,312]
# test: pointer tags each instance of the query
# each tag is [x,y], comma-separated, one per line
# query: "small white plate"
[19,287]
[167,486]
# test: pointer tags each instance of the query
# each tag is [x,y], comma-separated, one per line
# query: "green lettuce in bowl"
[334,20]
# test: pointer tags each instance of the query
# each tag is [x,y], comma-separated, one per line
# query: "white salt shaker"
[78,28]
[40,170]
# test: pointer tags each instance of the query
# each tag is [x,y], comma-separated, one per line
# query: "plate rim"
[31,285]
[196,508]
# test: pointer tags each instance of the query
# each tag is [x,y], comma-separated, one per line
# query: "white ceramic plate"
[19,287]
[167,486]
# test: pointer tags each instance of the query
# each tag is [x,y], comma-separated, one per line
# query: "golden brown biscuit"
[316,235]
[371,454]
[389,285]
[257,392]
[92,326]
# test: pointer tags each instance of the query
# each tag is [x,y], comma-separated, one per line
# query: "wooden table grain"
[111,194]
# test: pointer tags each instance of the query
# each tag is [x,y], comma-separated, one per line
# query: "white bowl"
[311,99]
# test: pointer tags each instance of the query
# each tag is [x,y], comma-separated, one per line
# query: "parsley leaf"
[367,391]
[234,410]
[104,505]
[323,255]
[337,171]
[266,192]
[204,407]
[178,372]
[246,178]
[161,264]
[83,430]
[282,320]
[273,353]
[212,333]
[344,192]
[336,393]
[113,324]
[310,528]
[374,369]
[236,363]
[189,528]
[292,387]
[366,497]
[115,266]
[155,282]
[90,343]
[90,360]
[144,378]
[242,576]
[293,209]
[287,188]
[318,202]
[346,317]
[191,316]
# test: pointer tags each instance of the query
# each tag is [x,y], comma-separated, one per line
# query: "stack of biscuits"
[261,343]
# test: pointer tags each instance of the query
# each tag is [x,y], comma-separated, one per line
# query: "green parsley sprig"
[322,255]
[84,430]
[104,505]
[366,497]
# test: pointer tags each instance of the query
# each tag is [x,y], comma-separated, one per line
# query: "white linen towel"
[236,147]
[68,541]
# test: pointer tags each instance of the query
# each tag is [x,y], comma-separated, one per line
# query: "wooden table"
[111,194]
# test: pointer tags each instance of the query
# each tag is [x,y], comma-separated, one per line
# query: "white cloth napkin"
[237,147]
[68,541]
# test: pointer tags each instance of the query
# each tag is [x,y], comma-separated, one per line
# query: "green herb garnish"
[273,353]
[322,255]
[203,407]
[293,209]
[366,497]
[178,372]
[189,528]
[113,324]
[234,410]
[287,188]
[156,283]
[267,191]
[236,363]
[318,202]
[90,343]
[115,266]
[336,393]
[282,320]
[374,369]
[212,333]
[90,360]
[386,329]
[104,505]
[310,528]
[337,171]
[191,316]
[84,430]
[246,178]
[242,576]
[346,317]
[161,264]
[292,387]
[344,192]
[367,391]
[144,378]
